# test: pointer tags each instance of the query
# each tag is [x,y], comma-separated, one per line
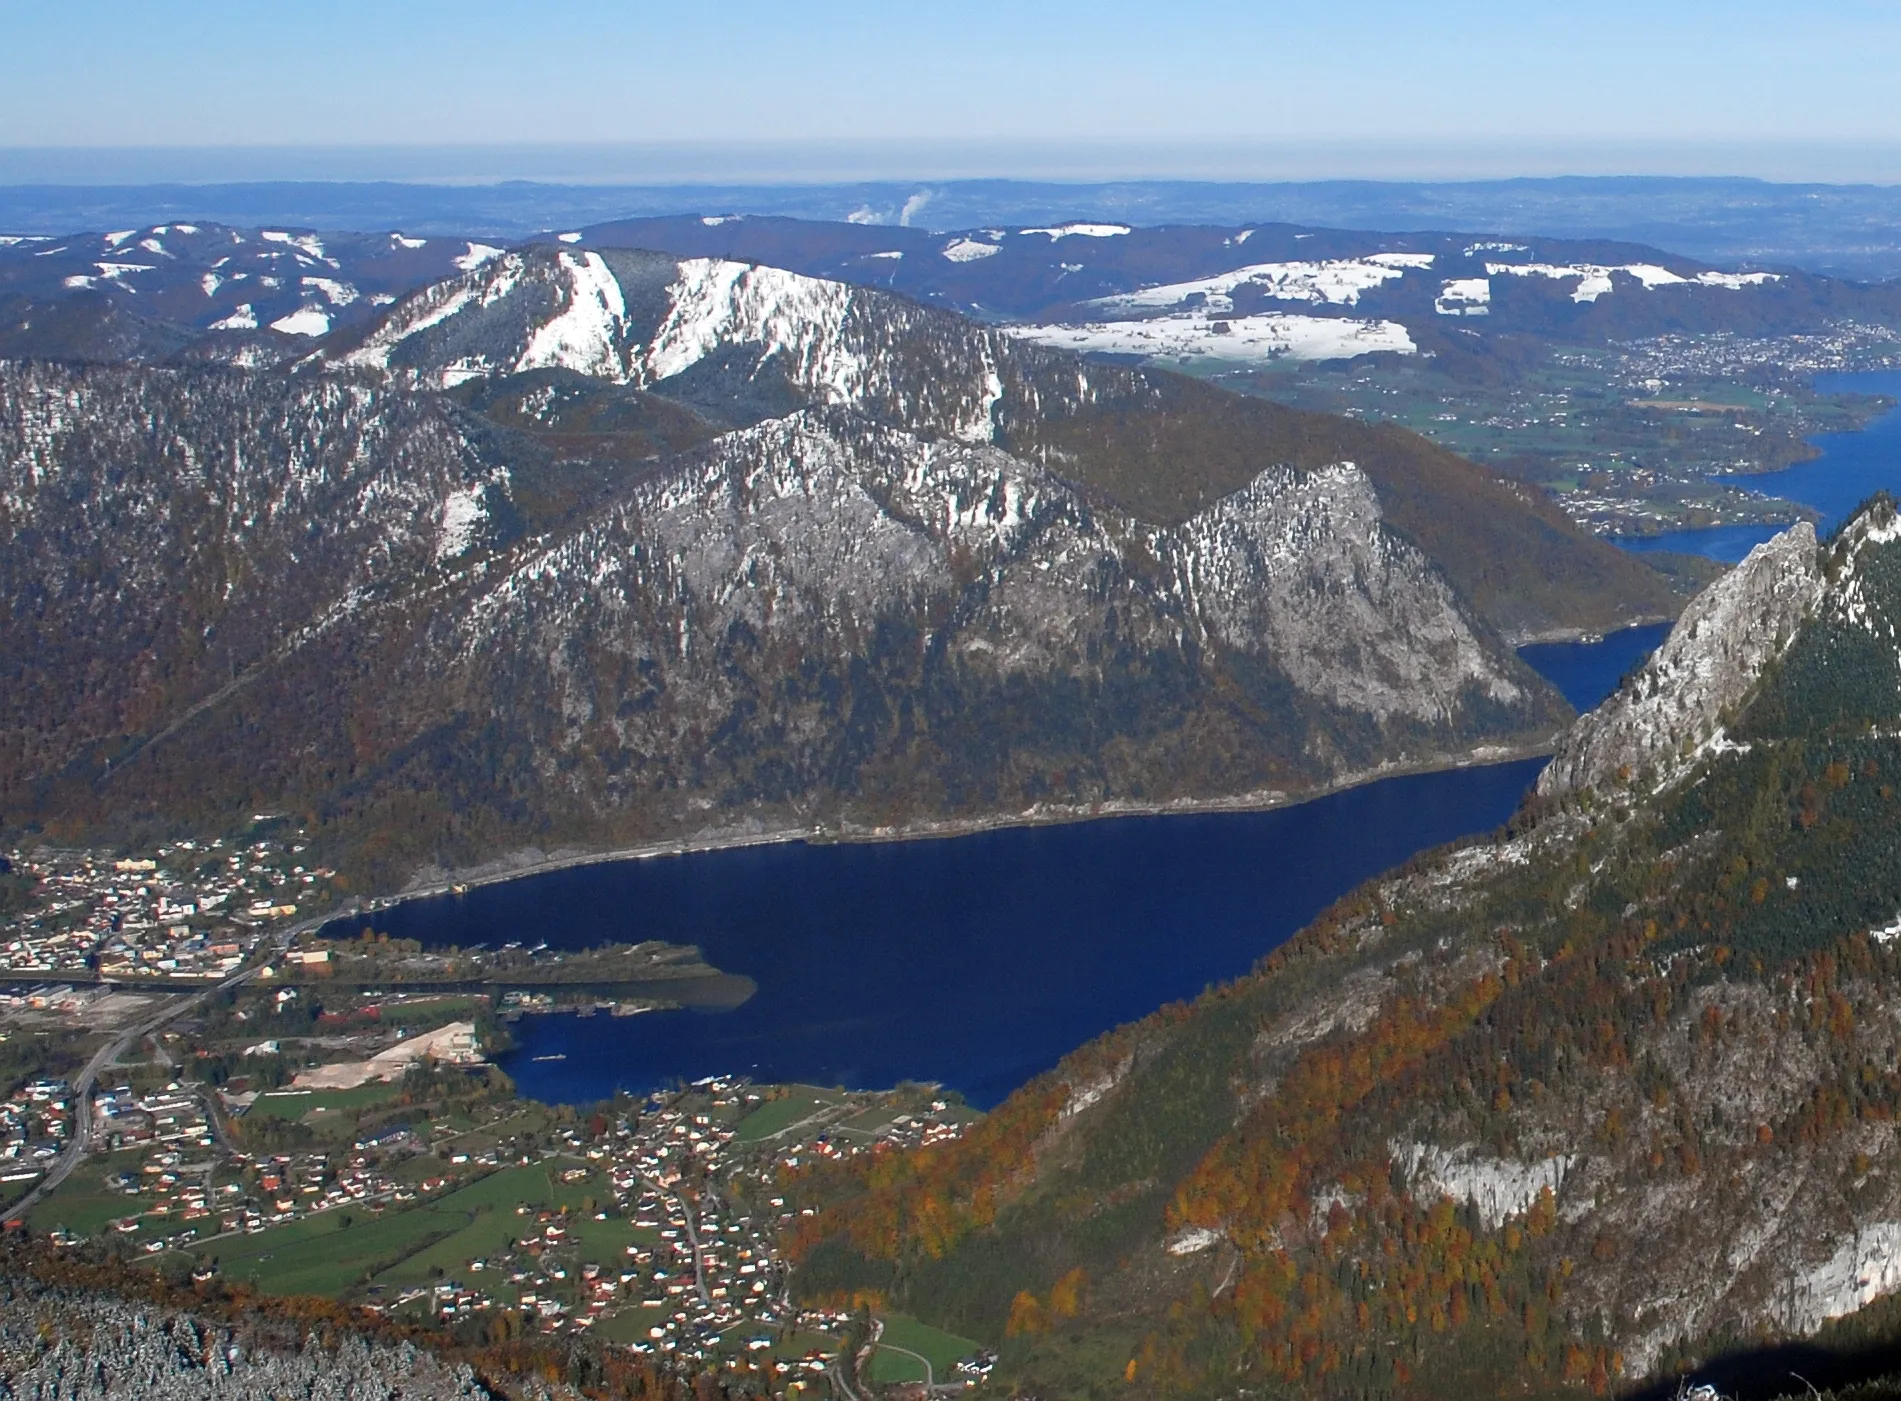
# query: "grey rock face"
[801,579]
[1717,651]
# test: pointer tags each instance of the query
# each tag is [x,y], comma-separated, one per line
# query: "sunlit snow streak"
[1595,280]
[717,303]
[585,336]
[305,321]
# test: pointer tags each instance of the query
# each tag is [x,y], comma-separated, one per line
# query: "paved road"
[687,1212]
[83,1126]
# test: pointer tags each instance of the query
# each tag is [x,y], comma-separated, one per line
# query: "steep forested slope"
[1609,1091]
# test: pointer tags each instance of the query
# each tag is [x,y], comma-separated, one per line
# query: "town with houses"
[190,911]
[372,1149]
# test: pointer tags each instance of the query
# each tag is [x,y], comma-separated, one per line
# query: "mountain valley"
[577,546]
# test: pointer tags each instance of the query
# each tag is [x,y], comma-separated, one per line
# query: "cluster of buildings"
[687,1268]
[1649,365]
[699,1277]
[35,1123]
[192,910]
[175,1203]
[167,1118]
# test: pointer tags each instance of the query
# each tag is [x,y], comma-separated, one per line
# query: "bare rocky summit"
[1678,699]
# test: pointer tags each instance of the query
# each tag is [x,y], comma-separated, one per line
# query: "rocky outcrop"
[1715,654]
[826,611]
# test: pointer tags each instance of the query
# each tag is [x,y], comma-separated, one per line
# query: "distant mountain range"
[1209,298]
[591,546]
[1832,229]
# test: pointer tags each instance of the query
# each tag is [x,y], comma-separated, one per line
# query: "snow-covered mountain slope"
[738,343]
[735,338]
[1424,282]
[283,283]
[1190,339]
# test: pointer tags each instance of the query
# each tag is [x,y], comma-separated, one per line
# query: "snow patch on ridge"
[1464,296]
[1336,282]
[1080,231]
[968,250]
[478,254]
[305,321]
[1594,280]
[715,303]
[585,336]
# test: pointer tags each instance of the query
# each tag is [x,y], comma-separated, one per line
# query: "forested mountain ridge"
[366,605]
[597,549]
[1571,1106]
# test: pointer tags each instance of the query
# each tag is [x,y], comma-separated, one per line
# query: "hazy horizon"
[795,162]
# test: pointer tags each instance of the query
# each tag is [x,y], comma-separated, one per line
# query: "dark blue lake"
[1852,467]
[973,961]
[979,961]
[1586,672]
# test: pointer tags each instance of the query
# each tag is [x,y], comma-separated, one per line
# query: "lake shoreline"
[437,883]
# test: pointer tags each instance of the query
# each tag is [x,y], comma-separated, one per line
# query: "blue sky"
[1036,74]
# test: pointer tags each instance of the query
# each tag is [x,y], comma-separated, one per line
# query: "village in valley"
[326,1116]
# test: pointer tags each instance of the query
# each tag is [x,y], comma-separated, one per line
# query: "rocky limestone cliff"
[844,593]
[1715,654]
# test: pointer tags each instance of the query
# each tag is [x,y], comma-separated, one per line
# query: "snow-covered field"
[1241,340]
[968,250]
[1595,280]
[1337,281]
[1464,296]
